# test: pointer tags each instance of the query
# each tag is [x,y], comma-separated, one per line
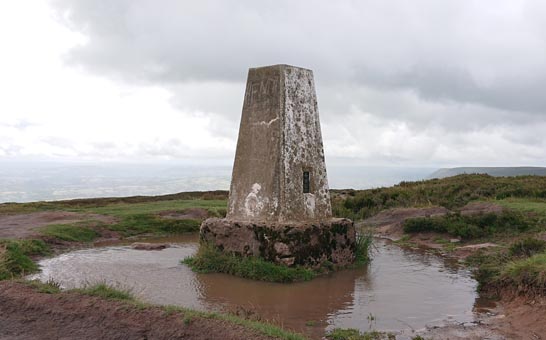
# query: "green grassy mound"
[469,227]
[15,258]
[452,192]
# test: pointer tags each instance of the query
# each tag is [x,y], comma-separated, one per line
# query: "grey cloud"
[434,83]
[445,52]
[450,66]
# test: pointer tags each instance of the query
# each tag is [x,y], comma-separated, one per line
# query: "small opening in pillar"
[306,182]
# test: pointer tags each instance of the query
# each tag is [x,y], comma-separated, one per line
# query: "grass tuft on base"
[363,252]
[211,260]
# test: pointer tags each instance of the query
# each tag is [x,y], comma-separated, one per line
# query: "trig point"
[279,204]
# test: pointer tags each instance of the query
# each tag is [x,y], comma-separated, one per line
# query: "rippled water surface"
[400,290]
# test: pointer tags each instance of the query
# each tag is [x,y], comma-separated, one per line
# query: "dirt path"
[25,225]
[27,314]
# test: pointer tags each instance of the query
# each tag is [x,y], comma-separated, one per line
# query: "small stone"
[282,249]
[454,240]
[288,261]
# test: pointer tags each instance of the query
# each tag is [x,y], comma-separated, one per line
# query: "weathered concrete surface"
[279,204]
[309,244]
[279,140]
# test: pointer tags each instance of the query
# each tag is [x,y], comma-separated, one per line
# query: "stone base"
[309,244]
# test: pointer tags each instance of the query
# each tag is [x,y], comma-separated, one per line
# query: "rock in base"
[309,244]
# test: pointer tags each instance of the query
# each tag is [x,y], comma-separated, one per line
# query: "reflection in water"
[401,288]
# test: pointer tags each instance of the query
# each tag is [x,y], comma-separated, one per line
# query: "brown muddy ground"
[525,318]
[27,314]
[515,318]
[26,225]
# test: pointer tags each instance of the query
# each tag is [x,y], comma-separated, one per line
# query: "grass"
[525,204]
[363,251]
[355,334]
[128,209]
[70,232]
[15,258]
[527,247]
[452,192]
[519,268]
[135,215]
[135,218]
[147,223]
[470,227]
[106,292]
[211,260]
[117,205]
[129,225]
[526,275]
[49,287]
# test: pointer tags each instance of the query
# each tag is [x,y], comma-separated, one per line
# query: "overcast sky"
[404,83]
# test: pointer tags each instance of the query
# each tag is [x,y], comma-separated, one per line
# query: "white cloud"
[426,83]
[53,110]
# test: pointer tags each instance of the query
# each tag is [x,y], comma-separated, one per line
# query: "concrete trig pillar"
[279,204]
[279,172]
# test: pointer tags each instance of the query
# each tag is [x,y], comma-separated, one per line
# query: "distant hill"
[492,171]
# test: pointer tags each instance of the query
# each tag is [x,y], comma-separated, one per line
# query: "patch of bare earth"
[27,314]
[389,224]
[465,251]
[25,225]
[476,208]
[524,318]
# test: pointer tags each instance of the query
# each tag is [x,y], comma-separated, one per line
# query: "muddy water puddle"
[400,290]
